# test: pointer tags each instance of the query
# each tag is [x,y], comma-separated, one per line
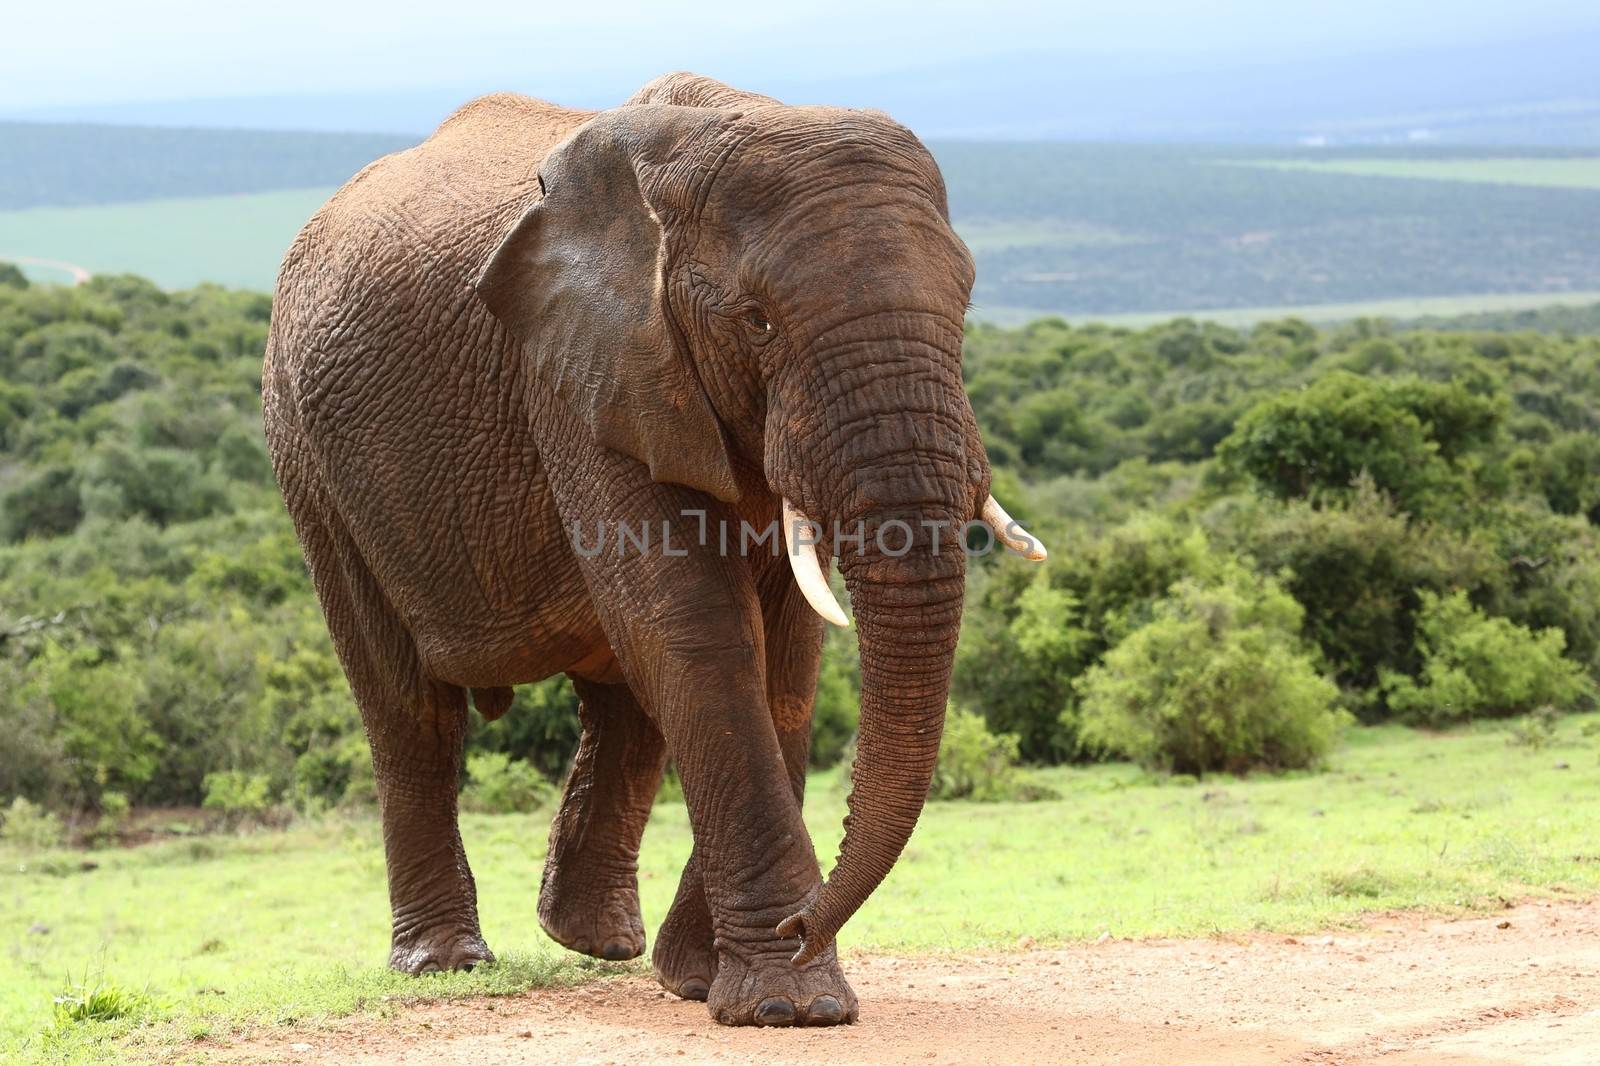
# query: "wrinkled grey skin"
[716,302]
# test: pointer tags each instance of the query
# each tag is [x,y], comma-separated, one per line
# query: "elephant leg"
[685,958]
[417,730]
[589,898]
[686,628]
[685,955]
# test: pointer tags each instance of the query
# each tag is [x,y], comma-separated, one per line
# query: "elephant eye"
[758,323]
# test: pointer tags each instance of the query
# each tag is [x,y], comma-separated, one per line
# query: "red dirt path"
[1519,986]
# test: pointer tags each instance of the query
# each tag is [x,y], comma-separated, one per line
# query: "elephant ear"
[580,281]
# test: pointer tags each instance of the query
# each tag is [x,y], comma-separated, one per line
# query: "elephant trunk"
[908,616]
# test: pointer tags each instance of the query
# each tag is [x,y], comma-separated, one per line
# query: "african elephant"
[541,320]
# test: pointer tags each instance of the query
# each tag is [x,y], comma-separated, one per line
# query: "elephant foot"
[684,959]
[605,923]
[438,950]
[767,989]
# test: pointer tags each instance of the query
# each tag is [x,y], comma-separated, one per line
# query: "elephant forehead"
[780,154]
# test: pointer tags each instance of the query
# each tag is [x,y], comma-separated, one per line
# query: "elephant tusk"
[1010,533]
[807,568]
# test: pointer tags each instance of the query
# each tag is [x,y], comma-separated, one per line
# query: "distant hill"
[1083,230]
[63,164]
[1111,229]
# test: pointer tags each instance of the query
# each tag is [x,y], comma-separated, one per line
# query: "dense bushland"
[1255,534]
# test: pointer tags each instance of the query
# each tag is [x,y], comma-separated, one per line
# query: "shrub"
[29,827]
[1215,681]
[541,728]
[837,708]
[973,762]
[1408,435]
[1567,472]
[1357,567]
[47,504]
[1475,666]
[499,784]
[1029,633]
[164,485]
[1549,575]
[1537,730]
[114,811]
[238,794]
[1020,648]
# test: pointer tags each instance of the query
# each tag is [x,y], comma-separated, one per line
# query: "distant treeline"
[1580,319]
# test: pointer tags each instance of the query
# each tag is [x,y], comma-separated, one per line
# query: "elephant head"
[768,301]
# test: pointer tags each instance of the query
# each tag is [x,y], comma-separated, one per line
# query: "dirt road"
[78,274]
[1519,986]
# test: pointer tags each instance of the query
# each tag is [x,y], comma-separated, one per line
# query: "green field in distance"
[1544,173]
[1243,317]
[231,240]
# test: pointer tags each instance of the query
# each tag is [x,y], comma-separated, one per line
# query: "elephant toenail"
[430,967]
[775,1011]
[825,1010]
[694,988]
[617,951]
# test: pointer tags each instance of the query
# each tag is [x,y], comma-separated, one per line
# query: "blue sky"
[61,54]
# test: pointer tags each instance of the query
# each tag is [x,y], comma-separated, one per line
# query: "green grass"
[1581,173]
[230,240]
[1244,317]
[195,936]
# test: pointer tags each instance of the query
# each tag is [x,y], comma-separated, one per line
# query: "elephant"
[540,320]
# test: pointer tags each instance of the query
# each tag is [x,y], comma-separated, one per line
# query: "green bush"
[1547,573]
[976,764]
[499,784]
[1567,471]
[238,793]
[1358,568]
[541,728]
[1476,666]
[47,504]
[1021,645]
[1408,435]
[1029,632]
[1215,681]
[29,827]
[837,709]
[114,812]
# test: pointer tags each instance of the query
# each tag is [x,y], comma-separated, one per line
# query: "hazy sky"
[93,51]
